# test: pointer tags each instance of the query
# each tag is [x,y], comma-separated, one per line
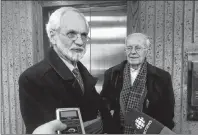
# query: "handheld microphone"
[144,124]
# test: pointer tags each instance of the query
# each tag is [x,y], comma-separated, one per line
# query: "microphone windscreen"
[142,123]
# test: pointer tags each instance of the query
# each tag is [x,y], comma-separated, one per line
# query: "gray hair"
[145,37]
[54,20]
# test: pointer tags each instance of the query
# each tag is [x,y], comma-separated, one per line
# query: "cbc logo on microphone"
[140,123]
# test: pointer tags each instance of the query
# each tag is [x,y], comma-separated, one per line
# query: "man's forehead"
[135,39]
[72,20]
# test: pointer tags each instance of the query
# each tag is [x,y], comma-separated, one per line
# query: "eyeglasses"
[73,35]
[138,49]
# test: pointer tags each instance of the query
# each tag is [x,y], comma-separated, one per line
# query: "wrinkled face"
[70,39]
[136,50]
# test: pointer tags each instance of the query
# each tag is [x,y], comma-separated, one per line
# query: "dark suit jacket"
[49,85]
[159,102]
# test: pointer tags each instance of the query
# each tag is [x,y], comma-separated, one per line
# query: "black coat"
[49,85]
[159,102]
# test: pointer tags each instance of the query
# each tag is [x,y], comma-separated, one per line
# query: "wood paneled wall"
[172,27]
[19,43]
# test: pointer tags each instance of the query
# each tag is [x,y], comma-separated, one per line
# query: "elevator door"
[107,33]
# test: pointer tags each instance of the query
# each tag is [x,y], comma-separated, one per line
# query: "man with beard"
[60,80]
[135,84]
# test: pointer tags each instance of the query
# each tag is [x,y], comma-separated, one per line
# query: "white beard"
[71,55]
[66,53]
[74,56]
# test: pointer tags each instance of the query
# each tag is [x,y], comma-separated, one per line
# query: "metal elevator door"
[108,29]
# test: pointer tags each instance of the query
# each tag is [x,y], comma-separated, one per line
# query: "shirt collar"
[134,70]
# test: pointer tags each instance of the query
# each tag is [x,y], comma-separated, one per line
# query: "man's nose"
[79,40]
[133,51]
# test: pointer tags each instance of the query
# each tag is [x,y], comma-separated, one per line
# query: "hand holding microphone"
[144,124]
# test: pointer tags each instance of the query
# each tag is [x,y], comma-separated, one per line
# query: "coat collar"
[59,66]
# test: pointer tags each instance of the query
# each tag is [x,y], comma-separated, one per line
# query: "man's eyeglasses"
[73,35]
[138,49]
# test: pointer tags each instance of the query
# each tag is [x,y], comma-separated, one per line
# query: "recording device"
[72,118]
[144,124]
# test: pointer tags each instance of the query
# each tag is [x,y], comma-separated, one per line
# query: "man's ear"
[147,52]
[53,36]
[148,46]
[125,50]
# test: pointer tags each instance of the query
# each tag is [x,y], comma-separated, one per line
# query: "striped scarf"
[132,96]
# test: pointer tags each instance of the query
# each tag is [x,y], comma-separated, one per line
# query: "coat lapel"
[117,77]
[58,65]
[64,72]
[67,76]
[153,85]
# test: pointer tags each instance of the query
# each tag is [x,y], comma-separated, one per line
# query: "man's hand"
[50,127]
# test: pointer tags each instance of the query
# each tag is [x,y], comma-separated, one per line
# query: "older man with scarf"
[136,84]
